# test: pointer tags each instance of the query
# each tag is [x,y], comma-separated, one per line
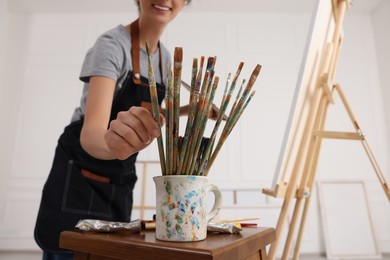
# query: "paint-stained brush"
[155,106]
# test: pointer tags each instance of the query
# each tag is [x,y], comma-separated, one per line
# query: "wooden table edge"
[80,241]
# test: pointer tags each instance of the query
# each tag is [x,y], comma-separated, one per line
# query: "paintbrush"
[202,106]
[193,153]
[232,120]
[194,94]
[156,112]
[209,102]
[225,103]
[178,57]
[169,125]
[187,155]
[235,219]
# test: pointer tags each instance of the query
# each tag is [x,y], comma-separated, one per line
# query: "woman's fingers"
[131,131]
[146,119]
[120,148]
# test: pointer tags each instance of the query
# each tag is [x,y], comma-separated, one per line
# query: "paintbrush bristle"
[257,70]
[241,65]
[178,56]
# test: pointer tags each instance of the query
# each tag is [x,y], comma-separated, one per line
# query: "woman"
[93,172]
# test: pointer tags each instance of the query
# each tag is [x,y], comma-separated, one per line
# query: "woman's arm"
[97,116]
[129,133]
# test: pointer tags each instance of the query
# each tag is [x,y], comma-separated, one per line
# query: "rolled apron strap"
[89,175]
[136,75]
[135,52]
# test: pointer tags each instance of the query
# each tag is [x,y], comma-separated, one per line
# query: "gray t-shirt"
[110,57]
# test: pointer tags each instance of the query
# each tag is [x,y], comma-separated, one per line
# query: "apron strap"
[134,30]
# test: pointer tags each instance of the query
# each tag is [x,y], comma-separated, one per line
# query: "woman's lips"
[162,8]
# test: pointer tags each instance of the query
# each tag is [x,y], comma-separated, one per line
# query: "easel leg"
[291,230]
[300,167]
[307,181]
[311,169]
[367,148]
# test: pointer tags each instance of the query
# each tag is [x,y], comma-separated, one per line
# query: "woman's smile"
[161,8]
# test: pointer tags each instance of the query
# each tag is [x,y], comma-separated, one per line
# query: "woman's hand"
[131,131]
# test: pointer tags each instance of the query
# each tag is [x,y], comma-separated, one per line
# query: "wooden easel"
[302,163]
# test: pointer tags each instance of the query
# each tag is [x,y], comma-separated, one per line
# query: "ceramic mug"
[181,207]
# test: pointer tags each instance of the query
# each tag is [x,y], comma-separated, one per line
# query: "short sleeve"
[105,59]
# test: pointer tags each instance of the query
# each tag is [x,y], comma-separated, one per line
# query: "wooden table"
[249,244]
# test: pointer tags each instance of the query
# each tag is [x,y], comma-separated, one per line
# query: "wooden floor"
[323,257]
[317,257]
[38,256]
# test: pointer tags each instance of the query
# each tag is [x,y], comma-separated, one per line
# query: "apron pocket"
[85,196]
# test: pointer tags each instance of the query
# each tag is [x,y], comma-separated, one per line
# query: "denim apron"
[80,186]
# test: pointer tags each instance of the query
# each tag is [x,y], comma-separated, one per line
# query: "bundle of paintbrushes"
[194,154]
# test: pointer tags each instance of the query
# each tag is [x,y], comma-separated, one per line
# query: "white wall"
[3,100]
[380,20]
[40,90]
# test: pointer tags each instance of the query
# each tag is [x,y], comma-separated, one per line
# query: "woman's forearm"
[92,141]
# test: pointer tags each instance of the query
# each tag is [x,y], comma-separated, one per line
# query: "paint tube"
[223,228]
[107,226]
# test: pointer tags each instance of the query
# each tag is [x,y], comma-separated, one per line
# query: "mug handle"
[217,201]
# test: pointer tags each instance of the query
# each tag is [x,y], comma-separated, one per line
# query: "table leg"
[263,254]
